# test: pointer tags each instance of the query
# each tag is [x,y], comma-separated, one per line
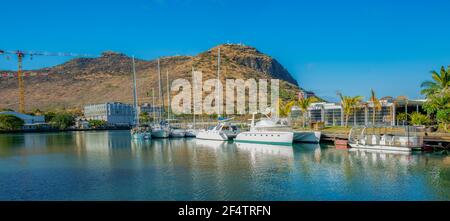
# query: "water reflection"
[110,165]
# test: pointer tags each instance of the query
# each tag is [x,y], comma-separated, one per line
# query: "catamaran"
[138,132]
[307,136]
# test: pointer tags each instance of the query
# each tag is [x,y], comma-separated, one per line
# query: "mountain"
[82,81]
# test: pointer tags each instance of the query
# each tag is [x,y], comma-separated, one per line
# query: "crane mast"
[21,81]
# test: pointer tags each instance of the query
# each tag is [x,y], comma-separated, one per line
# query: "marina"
[109,165]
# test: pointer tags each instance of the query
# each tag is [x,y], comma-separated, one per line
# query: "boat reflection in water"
[261,154]
[396,161]
[269,149]
[379,151]
[210,143]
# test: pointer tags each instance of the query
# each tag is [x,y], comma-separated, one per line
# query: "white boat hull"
[266,137]
[380,147]
[160,133]
[177,133]
[307,136]
[212,135]
[191,133]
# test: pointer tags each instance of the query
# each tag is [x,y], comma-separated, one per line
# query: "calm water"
[109,166]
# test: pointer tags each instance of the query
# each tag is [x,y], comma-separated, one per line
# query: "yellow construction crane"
[20,56]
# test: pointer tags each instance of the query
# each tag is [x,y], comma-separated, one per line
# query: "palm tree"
[303,104]
[376,104]
[349,105]
[440,83]
[284,109]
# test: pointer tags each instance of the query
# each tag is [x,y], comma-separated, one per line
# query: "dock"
[430,140]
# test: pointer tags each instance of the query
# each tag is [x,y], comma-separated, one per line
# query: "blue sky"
[328,46]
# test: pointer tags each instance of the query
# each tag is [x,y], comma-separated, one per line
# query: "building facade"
[114,113]
[331,114]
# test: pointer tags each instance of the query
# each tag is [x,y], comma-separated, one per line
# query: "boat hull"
[178,133]
[160,133]
[212,135]
[191,133]
[307,136]
[269,137]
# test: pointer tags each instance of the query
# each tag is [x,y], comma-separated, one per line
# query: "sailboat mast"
[218,83]
[135,94]
[168,95]
[193,109]
[160,91]
[153,105]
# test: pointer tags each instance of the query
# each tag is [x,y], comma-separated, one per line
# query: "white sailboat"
[161,128]
[192,131]
[267,131]
[138,132]
[174,131]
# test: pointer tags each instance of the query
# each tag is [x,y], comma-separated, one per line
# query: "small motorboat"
[224,130]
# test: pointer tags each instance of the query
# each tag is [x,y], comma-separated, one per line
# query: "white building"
[30,122]
[331,114]
[114,113]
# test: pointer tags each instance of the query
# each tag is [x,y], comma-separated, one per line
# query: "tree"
[97,123]
[443,117]
[49,115]
[437,93]
[349,105]
[440,83]
[402,117]
[303,104]
[10,122]
[144,117]
[376,104]
[419,119]
[284,109]
[62,120]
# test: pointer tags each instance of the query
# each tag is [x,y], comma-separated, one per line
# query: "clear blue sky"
[350,46]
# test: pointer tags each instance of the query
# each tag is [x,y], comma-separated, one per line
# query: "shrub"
[402,117]
[419,119]
[97,123]
[443,118]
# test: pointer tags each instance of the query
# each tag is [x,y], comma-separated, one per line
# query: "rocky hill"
[83,81]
